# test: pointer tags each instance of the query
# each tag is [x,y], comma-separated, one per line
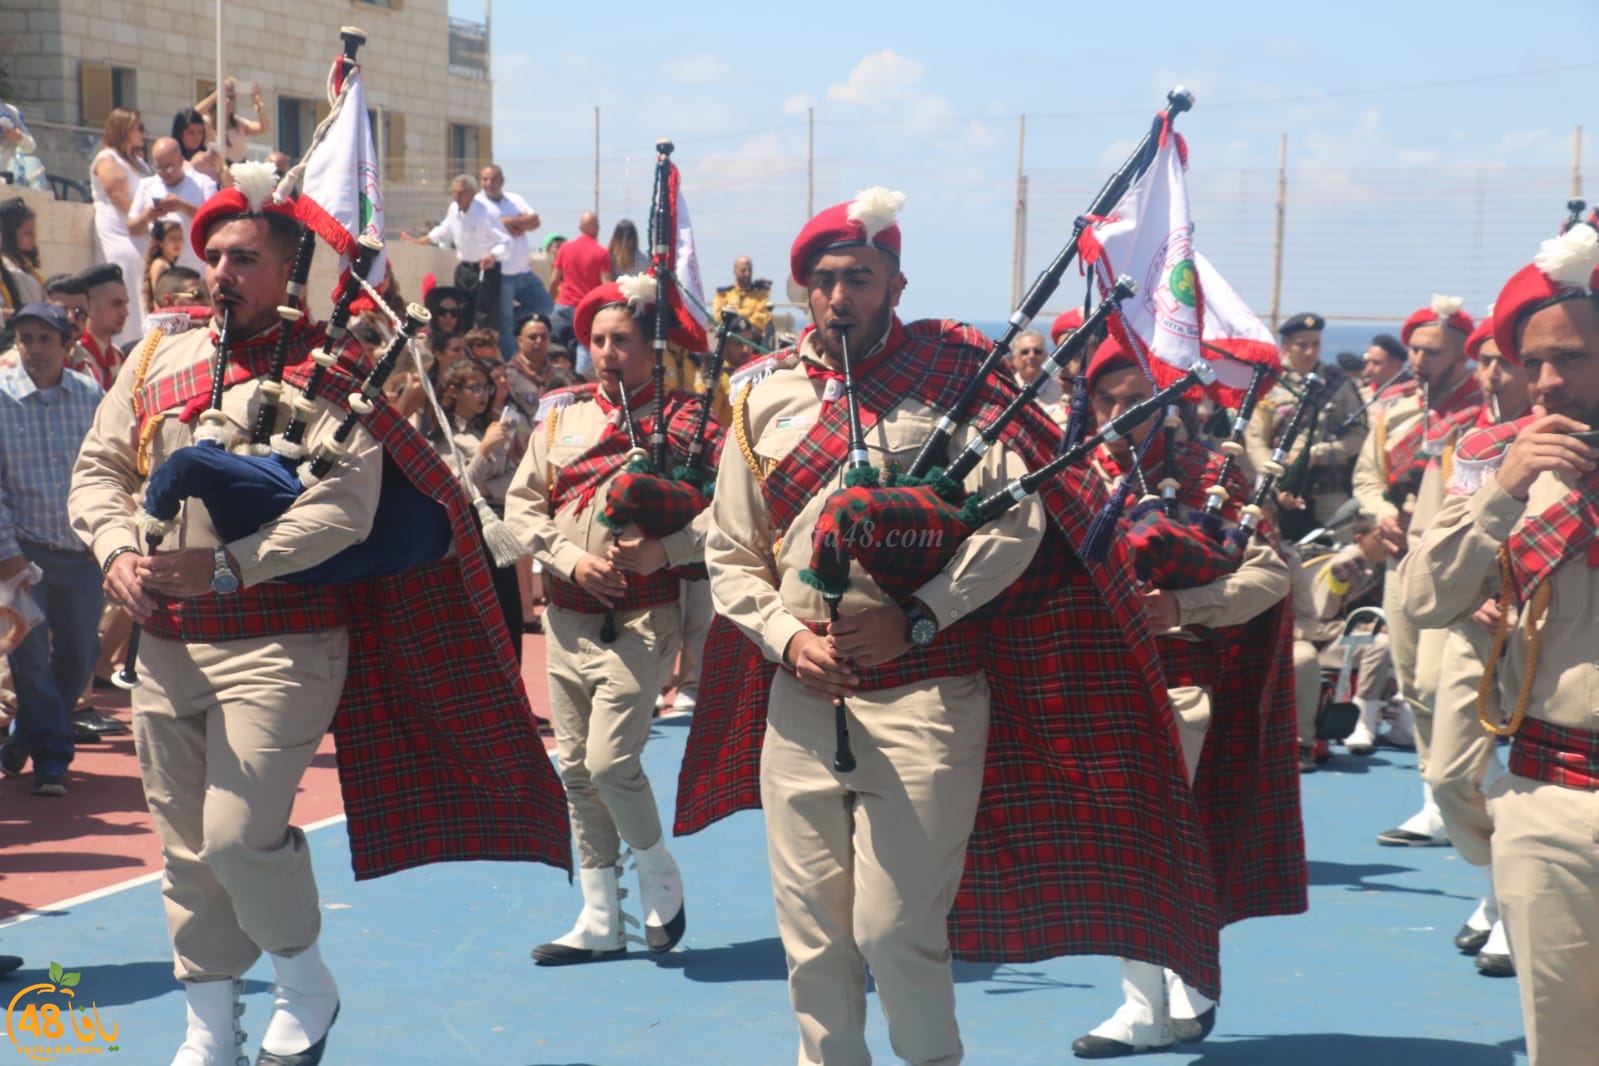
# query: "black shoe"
[1404,838]
[560,955]
[1193,1030]
[1307,761]
[665,937]
[1495,965]
[1470,941]
[49,783]
[1360,749]
[9,963]
[309,1057]
[1103,1047]
[12,761]
[89,726]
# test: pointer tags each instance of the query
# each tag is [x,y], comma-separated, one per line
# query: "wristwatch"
[920,627]
[223,582]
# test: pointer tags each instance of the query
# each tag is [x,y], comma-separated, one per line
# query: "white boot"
[598,933]
[1401,724]
[1364,738]
[214,1037]
[1424,829]
[305,1004]
[661,895]
[1193,1016]
[1142,1022]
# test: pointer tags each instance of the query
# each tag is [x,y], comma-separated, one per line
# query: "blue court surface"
[433,963]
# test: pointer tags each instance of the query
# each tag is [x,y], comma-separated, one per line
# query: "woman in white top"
[116,170]
[240,130]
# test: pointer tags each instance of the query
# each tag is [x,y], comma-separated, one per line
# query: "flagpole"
[222,132]
[810,162]
[1277,243]
[1576,164]
[1018,252]
[596,159]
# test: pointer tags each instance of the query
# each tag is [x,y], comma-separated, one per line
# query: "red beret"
[641,287]
[1065,322]
[1565,268]
[867,220]
[250,195]
[1108,357]
[601,296]
[1443,311]
[1479,336]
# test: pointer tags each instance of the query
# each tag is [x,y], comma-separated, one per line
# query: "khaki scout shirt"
[1259,583]
[1327,597]
[1276,407]
[1389,421]
[576,530]
[1455,568]
[107,488]
[765,597]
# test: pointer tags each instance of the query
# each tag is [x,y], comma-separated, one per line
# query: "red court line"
[99,834]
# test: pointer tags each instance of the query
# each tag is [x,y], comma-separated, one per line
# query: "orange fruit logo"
[45,1023]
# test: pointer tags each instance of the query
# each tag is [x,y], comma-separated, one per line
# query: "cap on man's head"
[50,314]
[1298,323]
[1442,311]
[250,196]
[1565,268]
[1110,356]
[1066,322]
[869,220]
[99,274]
[551,239]
[1480,336]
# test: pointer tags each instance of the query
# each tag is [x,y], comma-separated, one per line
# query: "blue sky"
[1430,146]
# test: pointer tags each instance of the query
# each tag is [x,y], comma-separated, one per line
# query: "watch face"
[923,630]
[224,583]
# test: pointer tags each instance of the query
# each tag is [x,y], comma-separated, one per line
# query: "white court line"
[135,882]
[52,909]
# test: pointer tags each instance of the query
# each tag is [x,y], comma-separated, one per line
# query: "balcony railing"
[469,49]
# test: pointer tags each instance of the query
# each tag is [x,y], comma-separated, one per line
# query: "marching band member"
[243,671]
[1527,535]
[1193,624]
[1386,479]
[602,692]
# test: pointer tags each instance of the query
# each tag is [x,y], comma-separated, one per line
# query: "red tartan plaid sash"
[268,609]
[1193,465]
[1489,442]
[1557,754]
[643,590]
[1412,446]
[250,359]
[1567,529]
[582,477]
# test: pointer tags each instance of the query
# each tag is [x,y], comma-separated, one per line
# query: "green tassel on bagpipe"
[862,477]
[947,488]
[830,590]
[687,473]
[639,466]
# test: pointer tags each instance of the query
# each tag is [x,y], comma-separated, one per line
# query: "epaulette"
[724,290]
[761,283]
[750,375]
[554,401]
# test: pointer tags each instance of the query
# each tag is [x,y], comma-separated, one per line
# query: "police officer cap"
[1302,322]
[99,274]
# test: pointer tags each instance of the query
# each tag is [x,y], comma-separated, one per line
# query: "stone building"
[69,62]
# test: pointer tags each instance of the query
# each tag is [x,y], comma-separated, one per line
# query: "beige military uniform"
[225,730]
[865,865]
[1545,855]
[1319,608]
[1260,582]
[602,696]
[1272,415]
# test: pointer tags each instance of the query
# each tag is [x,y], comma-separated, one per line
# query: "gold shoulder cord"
[1535,614]
[741,435]
[148,430]
[1381,431]
[1446,465]
[549,463]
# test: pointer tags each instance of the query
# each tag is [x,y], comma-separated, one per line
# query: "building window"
[104,88]
[463,148]
[297,119]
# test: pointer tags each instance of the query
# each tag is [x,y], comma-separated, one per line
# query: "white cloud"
[798,104]
[891,84]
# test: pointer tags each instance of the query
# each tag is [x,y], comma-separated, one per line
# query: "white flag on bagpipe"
[1235,339]
[1149,237]
[687,296]
[340,197]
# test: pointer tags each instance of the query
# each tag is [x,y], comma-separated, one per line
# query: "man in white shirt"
[521,291]
[474,229]
[174,192]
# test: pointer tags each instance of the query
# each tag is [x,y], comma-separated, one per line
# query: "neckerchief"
[106,360]
[1565,530]
[246,359]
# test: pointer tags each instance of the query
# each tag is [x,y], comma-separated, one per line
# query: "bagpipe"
[246,484]
[649,494]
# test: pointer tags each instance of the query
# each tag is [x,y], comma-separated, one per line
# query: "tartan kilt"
[1174,555]
[438,752]
[1087,840]
[1247,787]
